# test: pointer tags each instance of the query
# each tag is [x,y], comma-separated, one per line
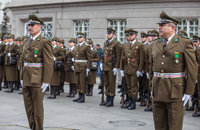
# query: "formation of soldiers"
[136,61]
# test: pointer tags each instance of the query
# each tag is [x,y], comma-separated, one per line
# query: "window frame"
[83,28]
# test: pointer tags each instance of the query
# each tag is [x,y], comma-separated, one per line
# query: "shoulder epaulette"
[185,37]
[44,37]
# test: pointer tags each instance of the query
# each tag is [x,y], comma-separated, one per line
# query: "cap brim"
[33,22]
[165,21]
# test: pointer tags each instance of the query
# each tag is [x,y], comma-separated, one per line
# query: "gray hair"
[172,24]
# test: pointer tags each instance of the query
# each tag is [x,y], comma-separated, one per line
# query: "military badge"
[35,51]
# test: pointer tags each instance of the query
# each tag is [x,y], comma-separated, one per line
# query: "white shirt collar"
[35,36]
[169,39]
[81,43]
[92,48]
[10,43]
[145,43]
[54,46]
[0,42]
[7,43]
[133,41]
[110,40]
[71,48]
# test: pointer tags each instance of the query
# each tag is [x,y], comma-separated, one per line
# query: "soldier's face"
[90,45]
[165,30]
[61,44]
[127,38]
[97,47]
[150,39]
[10,40]
[53,43]
[34,29]
[154,37]
[17,42]
[143,39]
[132,37]
[21,43]
[5,40]
[110,36]
[81,39]
[196,44]
[71,44]
[58,43]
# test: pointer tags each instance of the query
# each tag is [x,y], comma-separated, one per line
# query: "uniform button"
[77,52]
[129,50]
[161,70]
[179,84]
[162,63]
[27,50]
[163,55]
[105,55]
[26,56]
[128,54]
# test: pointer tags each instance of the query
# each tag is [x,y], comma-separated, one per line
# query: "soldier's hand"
[147,74]
[185,98]
[139,74]
[54,58]
[44,86]
[72,68]
[87,71]
[151,95]
[115,71]
[21,81]
[72,59]
[18,68]
[9,54]
[122,73]
[101,66]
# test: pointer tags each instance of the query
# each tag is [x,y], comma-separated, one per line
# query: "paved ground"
[63,114]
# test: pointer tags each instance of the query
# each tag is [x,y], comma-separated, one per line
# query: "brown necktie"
[165,43]
[30,41]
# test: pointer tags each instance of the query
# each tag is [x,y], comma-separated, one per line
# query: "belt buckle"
[25,64]
[162,75]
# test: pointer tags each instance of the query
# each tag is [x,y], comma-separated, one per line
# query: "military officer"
[143,89]
[2,66]
[11,68]
[170,56]
[62,77]
[133,63]
[149,100]
[70,76]
[82,66]
[58,56]
[91,80]
[182,33]
[37,72]
[196,40]
[154,34]
[20,59]
[110,64]
[123,49]
[5,41]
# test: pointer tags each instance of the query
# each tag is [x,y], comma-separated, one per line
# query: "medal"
[176,61]
[176,56]
[35,55]
[36,51]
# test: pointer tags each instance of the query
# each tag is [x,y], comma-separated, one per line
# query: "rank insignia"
[35,51]
[176,54]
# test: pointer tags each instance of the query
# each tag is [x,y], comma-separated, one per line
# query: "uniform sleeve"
[2,50]
[61,55]
[118,50]
[121,58]
[89,57]
[15,52]
[95,57]
[142,58]
[48,61]
[191,67]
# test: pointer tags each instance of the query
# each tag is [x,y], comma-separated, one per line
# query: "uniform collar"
[81,43]
[54,46]
[110,40]
[11,43]
[71,48]
[35,36]
[169,39]
[92,48]
[133,42]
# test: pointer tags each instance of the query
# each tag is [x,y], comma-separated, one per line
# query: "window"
[120,27]
[189,26]
[46,30]
[81,26]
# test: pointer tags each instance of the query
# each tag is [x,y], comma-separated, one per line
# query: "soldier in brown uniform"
[143,89]
[154,34]
[133,62]
[110,64]
[82,66]
[170,56]
[124,88]
[37,72]
[17,83]
[20,59]
[91,80]
[196,40]
[62,77]
[11,69]
[70,76]
[2,57]
[182,33]
[58,56]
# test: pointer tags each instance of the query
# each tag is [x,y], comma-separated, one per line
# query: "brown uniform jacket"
[12,49]
[163,61]
[92,77]
[62,73]
[82,53]
[70,76]
[19,60]
[131,52]
[113,47]
[2,54]
[35,76]
[59,56]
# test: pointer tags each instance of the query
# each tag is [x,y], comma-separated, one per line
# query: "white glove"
[54,58]
[18,68]
[44,86]
[143,71]
[9,54]
[139,74]
[65,70]
[147,74]
[72,68]
[151,95]
[185,99]
[101,66]
[87,71]
[122,73]
[72,59]
[196,81]
[115,71]
[21,81]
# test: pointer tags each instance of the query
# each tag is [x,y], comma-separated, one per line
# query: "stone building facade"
[64,18]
